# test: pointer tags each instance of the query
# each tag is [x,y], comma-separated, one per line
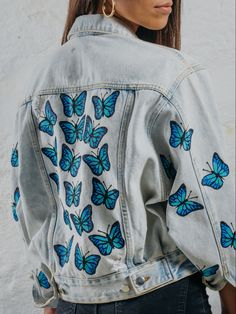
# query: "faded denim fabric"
[109,191]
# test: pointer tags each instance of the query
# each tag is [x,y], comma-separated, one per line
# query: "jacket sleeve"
[198,178]
[33,210]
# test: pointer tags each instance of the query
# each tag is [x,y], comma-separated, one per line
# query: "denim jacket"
[120,179]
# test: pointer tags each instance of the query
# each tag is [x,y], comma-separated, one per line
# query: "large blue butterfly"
[74,105]
[15,157]
[168,167]
[180,137]
[209,271]
[49,121]
[89,263]
[217,174]
[43,280]
[112,240]
[63,252]
[72,193]
[102,195]
[15,203]
[73,131]
[69,161]
[54,176]
[83,222]
[105,107]
[93,135]
[228,236]
[182,203]
[99,162]
[51,152]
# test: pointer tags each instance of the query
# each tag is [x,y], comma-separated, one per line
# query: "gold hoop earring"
[104,8]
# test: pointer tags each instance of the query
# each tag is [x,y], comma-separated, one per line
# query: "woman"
[119,170]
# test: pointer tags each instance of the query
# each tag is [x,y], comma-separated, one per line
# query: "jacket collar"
[98,23]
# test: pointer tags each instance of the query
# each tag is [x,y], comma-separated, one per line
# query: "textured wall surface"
[29,28]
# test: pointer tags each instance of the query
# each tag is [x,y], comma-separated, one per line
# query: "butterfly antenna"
[232,225]
[102,232]
[108,228]
[86,254]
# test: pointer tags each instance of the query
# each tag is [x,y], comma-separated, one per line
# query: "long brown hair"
[168,36]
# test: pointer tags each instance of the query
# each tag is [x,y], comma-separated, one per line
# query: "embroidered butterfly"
[74,105]
[89,263]
[111,240]
[168,167]
[93,135]
[73,131]
[63,252]
[69,161]
[102,195]
[100,162]
[49,121]
[15,203]
[15,157]
[183,204]
[83,222]
[54,176]
[209,271]
[51,152]
[217,174]
[66,217]
[180,137]
[43,281]
[72,193]
[228,236]
[105,107]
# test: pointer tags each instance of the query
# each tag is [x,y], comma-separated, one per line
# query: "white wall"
[29,28]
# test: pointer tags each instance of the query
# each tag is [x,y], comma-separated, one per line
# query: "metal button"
[125,289]
[140,280]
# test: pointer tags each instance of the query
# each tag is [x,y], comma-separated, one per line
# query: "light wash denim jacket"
[120,179]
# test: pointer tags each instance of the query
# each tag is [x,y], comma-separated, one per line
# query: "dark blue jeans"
[185,296]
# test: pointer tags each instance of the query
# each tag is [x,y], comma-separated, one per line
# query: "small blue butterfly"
[66,217]
[83,222]
[102,195]
[63,252]
[72,193]
[49,121]
[112,240]
[15,157]
[217,174]
[105,107]
[209,271]
[184,205]
[74,105]
[54,176]
[180,137]
[89,263]
[43,281]
[93,135]
[69,161]
[73,131]
[51,152]
[15,203]
[99,162]
[168,167]
[228,236]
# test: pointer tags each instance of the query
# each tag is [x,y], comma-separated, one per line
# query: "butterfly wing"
[96,136]
[78,258]
[209,271]
[43,280]
[61,251]
[219,166]
[77,223]
[212,180]
[178,197]
[15,157]
[188,207]
[75,166]
[77,192]
[54,176]
[99,192]
[93,163]
[14,204]
[187,139]
[102,243]
[67,218]
[66,159]
[51,154]
[79,103]
[98,107]
[80,129]
[176,134]
[50,114]
[111,198]
[91,263]
[168,167]
[110,103]
[103,156]
[69,193]
[116,236]
[67,102]
[86,219]
[69,249]
[88,129]
[69,131]
[227,235]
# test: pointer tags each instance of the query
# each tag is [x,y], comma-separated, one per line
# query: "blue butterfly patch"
[51,152]
[209,271]
[183,204]
[102,195]
[83,222]
[15,157]
[54,176]
[69,161]
[49,121]
[93,135]
[100,162]
[72,193]
[73,131]
[216,175]
[43,280]
[105,107]
[74,105]
[111,240]
[228,236]
[179,136]
[168,167]
[15,203]
[63,252]
[66,217]
[89,263]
